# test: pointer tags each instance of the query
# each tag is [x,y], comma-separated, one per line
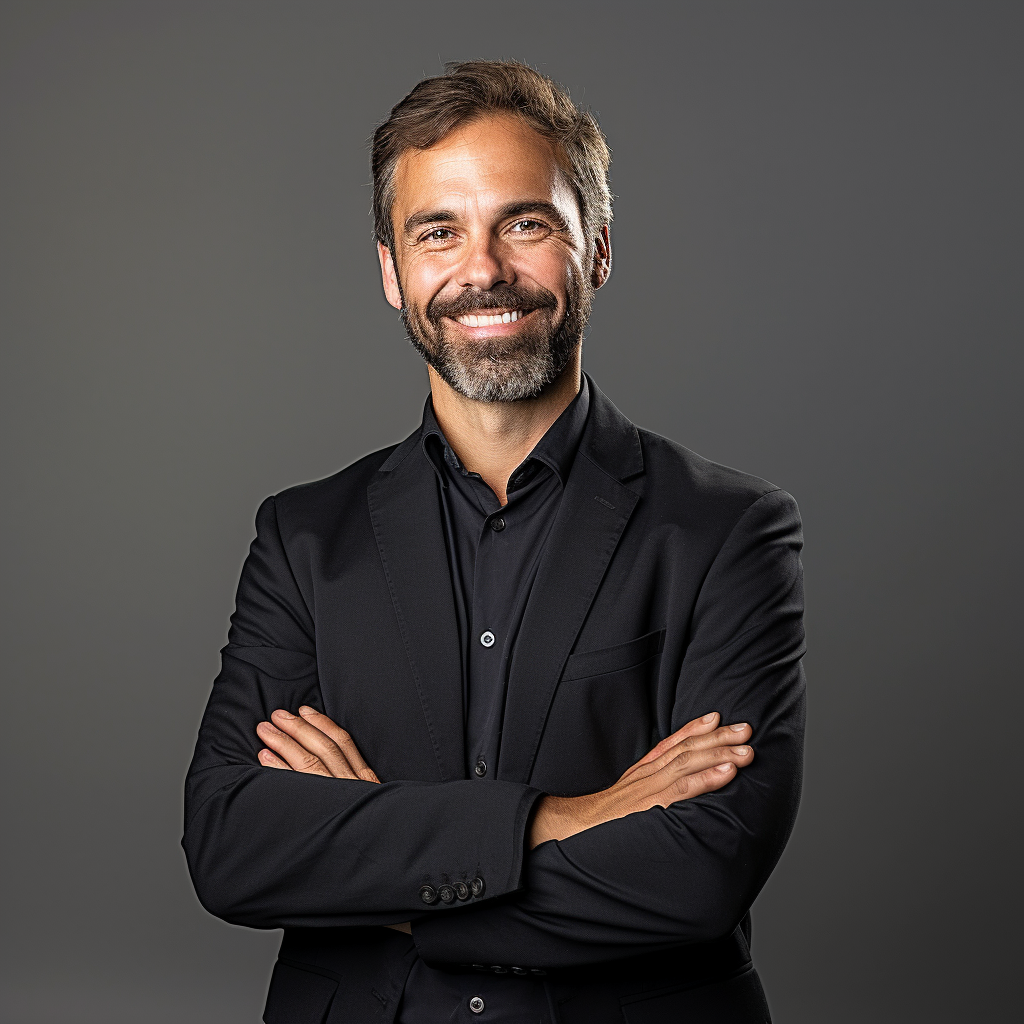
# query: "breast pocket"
[615,659]
[602,717]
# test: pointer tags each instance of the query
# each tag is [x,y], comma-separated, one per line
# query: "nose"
[484,265]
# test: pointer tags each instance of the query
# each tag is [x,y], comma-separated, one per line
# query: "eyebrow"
[417,220]
[517,209]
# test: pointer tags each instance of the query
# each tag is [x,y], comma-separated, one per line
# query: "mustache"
[503,296]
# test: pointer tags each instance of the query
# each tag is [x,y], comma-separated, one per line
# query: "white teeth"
[469,320]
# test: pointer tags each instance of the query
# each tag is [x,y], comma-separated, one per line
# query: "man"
[480,742]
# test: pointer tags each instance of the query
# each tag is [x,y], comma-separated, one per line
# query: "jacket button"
[520,971]
[480,768]
[461,890]
[498,969]
[476,887]
[428,894]
[446,893]
[498,524]
[476,1004]
[538,972]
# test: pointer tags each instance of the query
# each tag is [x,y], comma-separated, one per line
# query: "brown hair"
[437,106]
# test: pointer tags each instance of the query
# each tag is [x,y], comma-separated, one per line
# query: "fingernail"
[738,728]
[307,710]
[281,713]
[709,718]
[723,768]
[741,751]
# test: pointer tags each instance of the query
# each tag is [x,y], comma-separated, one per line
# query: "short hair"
[471,89]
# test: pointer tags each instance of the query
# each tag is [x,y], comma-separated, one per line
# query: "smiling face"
[491,268]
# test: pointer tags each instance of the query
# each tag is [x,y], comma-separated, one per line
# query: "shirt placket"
[488,636]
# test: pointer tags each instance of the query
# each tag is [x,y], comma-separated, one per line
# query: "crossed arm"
[698,758]
[288,848]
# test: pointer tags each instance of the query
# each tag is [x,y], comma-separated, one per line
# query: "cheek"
[553,271]
[423,279]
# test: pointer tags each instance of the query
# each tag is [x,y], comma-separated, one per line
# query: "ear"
[602,258]
[389,275]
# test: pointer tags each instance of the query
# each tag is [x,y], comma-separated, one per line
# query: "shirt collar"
[556,449]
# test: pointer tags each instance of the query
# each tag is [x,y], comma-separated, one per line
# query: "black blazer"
[670,586]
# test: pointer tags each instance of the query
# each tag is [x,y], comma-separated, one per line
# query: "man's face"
[491,268]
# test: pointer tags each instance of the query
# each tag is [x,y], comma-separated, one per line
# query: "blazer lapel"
[407,522]
[591,517]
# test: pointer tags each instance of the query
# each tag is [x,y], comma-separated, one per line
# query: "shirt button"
[480,768]
[476,1004]
[498,524]
[487,638]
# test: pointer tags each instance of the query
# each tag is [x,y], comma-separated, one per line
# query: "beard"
[501,369]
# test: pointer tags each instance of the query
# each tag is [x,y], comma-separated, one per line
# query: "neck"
[492,438]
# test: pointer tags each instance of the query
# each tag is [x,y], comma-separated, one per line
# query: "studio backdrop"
[817,274]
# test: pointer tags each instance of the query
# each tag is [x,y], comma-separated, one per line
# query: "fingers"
[698,727]
[694,772]
[343,739]
[682,754]
[269,759]
[311,742]
[684,775]
[292,753]
[692,762]
[706,781]
[304,747]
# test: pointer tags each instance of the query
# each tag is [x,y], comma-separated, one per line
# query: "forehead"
[484,164]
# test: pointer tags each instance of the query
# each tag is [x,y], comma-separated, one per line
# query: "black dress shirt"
[493,555]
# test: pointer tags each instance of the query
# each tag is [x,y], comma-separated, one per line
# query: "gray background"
[817,279]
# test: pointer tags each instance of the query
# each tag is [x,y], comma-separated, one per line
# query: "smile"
[490,319]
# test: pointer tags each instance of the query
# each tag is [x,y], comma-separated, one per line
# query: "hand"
[699,758]
[310,742]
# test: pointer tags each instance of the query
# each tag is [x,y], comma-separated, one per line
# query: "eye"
[526,226]
[438,235]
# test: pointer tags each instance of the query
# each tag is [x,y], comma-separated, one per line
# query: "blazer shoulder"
[319,504]
[686,484]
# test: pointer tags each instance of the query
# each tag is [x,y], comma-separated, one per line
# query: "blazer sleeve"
[687,873]
[273,848]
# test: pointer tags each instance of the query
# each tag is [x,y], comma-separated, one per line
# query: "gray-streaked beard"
[505,369]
